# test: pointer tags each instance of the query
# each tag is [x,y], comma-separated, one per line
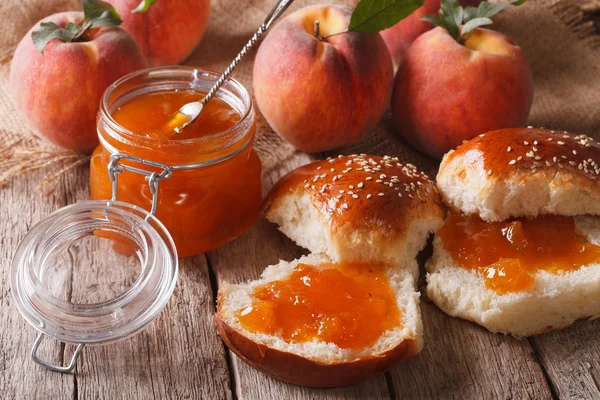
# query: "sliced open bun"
[357,208]
[554,301]
[315,363]
[522,172]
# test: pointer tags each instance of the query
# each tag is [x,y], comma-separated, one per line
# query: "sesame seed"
[563,157]
[360,185]
[323,188]
[318,168]
[512,162]
[351,186]
[369,196]
[535,142]
[368,178]
[575,152]
[339,196]
[354,196]
[534,148]
[382,176]
[345,206]
[509,149]
[332,169]
[312,187]
[489,172]
[526,143]
[307,186]
[537,158]
[410,195]
[323,175]
[561,143]
[342,191]
[378,181]
[519,158]
[380,194]
[399,194]
[572,163]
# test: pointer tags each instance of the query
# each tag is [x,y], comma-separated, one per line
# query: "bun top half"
[357,207]
[522,172]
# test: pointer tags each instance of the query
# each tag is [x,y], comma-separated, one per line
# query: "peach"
[57,94]
[400,36]
[168,31]
[321,93]
[446,92]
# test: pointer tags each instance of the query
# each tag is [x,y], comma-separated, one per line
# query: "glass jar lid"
[85,242]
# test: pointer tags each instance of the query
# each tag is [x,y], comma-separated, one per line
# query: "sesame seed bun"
[357,208]
[522,172]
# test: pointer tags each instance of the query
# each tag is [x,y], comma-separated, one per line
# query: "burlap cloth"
[560,37]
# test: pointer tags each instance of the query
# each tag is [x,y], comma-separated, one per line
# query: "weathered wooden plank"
[244,259]
[21,206]
[571,358]
[179,355]
[464,361]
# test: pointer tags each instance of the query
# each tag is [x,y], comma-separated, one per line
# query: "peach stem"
[318,30]
[334,34]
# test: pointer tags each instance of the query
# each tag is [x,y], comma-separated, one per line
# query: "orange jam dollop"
[203,207]
[350,305]
[509,253]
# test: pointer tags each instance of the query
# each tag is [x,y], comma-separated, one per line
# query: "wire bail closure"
[53,367]
[115,168]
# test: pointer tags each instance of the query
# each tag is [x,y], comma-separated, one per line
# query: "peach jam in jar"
[209,189]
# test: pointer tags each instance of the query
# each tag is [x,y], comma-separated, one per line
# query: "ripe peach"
[400,36]
[446,92]
[320,94]
[168,31]
[57,93]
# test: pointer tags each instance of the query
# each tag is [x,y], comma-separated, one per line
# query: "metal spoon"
[190,111]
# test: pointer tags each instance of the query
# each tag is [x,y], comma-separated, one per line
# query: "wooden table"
[180,355]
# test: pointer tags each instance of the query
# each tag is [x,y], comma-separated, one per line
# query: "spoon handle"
[275,13]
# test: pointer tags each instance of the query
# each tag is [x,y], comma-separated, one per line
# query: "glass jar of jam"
[210,188]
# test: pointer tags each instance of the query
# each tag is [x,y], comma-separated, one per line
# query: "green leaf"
[452,15]
[470,13]
[452,12]
[487,10]
[433,19]
[71,27]
[376,15]
[49,31]
[474,24]
[97,8]
[105,19]
[143,6]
